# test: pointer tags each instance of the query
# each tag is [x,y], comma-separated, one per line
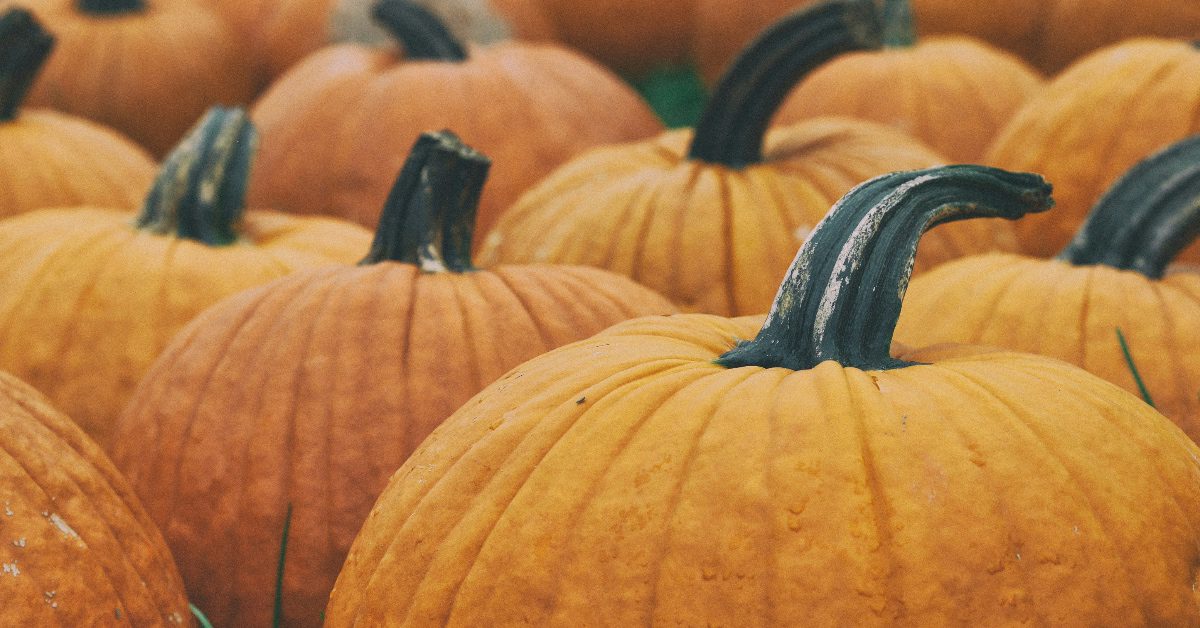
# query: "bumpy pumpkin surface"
[312,390]
[805,478]
[1113,276]
[76,547]
[1095,121]
[51,159]
[342,121]
[90,298]
[712,217]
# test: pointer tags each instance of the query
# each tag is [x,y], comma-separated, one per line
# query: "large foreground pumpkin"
[1112,276]
[662,473]
[357,364]
[91,295]
[711,218]
[76,548]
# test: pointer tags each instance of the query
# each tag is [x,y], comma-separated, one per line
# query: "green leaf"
[676,94]
[200,618]
[277,616]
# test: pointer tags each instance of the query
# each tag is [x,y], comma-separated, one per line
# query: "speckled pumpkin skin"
[89,301]
[653,487]
[711,238]
[952,93]
[1092,123]
[343,121]
[312,391]
[76,548]
[1071,313]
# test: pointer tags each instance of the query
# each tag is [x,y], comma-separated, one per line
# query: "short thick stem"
[1147,217]
[24,47]
[899,28]
[423,35]
[199,193]
[111,7]
[732,129]
[429,217]
[841,297]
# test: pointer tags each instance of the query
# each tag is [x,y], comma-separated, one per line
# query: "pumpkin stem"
[200,191]
[899,28]
[842,295]
[24,47]
[1147,217]
[429,217]
[425,37]
[732,128]
[111,7]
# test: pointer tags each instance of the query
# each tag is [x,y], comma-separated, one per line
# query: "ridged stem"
[424,36]
[24,47]
[841,297]
[1147,217]
[731,130]
[899,27]
[200,191]
[110,7]
[429,217]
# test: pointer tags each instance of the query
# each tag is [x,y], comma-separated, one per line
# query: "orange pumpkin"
[343,120]
[1051,34]
[359,364]
[91,295]
[660,473]
[148,68]
[953,93]
[279,32]
[1112,276]
[1095,121]
[55,159]
[76,548]
[711,218]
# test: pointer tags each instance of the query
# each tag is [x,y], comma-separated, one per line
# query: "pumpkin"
[1051,34]
[1112,276]
[55,159]
[953,93]
[343,119]
[661,473]
[711,218]
[148,68]
[279,32]
[359,363]
[91,295]
[1095,121]
[76,548]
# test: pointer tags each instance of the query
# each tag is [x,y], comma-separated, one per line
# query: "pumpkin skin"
[78,549]
[90,299]
[701,218]
[280,32]
[952,93]
[149,71]
[1095,121]
[359,364]
[660,485]
[55,159]
[1112,277]
[545,104]
[1051,34]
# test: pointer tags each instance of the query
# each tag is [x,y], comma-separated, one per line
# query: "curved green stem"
[200,191]
[731,130]
[425,37]
[899,28]
[24,47]
[1147,217]
[429,217]
[111,7]
[841,297]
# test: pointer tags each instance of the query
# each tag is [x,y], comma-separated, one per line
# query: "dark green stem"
[111,7]
[1133,369]
[24,46]
[841,297]
[277,613]
[200,191]
[732,128]
[424,36]
[429,217]
[1147,217]
[899,28]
